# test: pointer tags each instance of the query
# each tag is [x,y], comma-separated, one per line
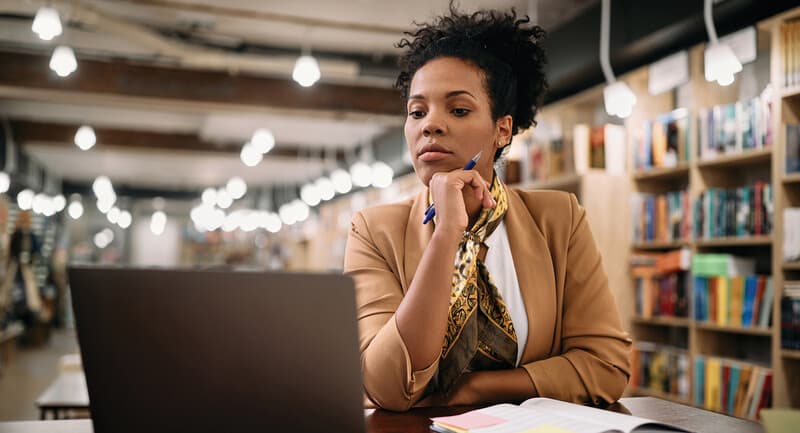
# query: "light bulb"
[124,220]
[224,199]
[209,196]
[310,194]
[306,71]
[75,209]
[158,222]
[47,23]
[236,187]
[5,182]
[326,188]
[272,222]
[113,215]
[619,99]
[63,61]
[85,137]
[721,63]
[341,181]
[59,203]
[361,174]
[250,155]
[25,199]
[382,174]
[40,203]
[286,213]
[262,141]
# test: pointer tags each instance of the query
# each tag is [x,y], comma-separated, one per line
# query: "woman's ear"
[504,126]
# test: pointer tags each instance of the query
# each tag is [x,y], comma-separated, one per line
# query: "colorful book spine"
[744,211]
[730,386]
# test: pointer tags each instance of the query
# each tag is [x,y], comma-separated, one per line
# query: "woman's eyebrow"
[449,94]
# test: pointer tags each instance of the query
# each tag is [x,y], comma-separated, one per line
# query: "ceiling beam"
[23,73]
[60,134]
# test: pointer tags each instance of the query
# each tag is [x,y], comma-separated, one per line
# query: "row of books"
[549,159]
[790,40]
[661,217]
[791,234]
[661,283]
[735,128]
[790,315]
[660,368]
[741,301]
[733,387]
[664,142]
[744,211]
[600,147]
[792,148]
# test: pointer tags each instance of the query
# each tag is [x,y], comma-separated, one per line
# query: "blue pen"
[431,211]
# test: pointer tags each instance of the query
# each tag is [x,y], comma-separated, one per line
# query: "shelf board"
[663,173]
[560,182]
[791,266]
[790,92]
[678,322]
[750,157]
[791,354]
[791,178]
[657,245]
[733,329]
[735,241]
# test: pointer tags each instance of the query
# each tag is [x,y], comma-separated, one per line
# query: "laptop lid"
[212,351]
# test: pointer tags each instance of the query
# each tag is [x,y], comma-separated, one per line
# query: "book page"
[521,420]
[606,419]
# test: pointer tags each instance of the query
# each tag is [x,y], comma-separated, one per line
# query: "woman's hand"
[458,196]
[462,394]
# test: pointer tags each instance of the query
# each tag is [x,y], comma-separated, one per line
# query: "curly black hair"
[504,47]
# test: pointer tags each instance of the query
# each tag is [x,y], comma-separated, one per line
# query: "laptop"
[218,351]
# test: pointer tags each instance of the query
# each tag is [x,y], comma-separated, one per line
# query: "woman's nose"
[433,127]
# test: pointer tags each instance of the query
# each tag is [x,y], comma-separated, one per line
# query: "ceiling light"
[85,138]
[306,71]
[59,203]
[310,194]
[209,196]
[236,187]
[124,220]
[263,141]
[5,182]
[158,222]
[224,199]
[341,181]
[47,23]
[286,213]
[618,98]
[382,174]
[25,199]
[721,62]
[361,174]
[272,222]
[63,61]
[75,209]
[326,188]
[250,155]
[113,215]
[40,203]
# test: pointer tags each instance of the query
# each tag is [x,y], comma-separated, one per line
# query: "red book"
[760,286]
[765,399]
[712,299]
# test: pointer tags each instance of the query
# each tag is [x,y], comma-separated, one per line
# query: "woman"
[503,296]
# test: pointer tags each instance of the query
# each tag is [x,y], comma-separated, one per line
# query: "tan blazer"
[576,349]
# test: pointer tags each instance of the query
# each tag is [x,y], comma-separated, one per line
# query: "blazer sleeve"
[385,363]
[593,366]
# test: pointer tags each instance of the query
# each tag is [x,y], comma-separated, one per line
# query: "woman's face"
[450,120]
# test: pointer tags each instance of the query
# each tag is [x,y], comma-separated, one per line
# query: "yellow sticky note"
[547,428]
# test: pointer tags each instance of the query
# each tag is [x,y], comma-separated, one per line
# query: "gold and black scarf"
[480,334]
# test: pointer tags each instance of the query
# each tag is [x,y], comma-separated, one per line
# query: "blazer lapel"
[416,239]
[536,277]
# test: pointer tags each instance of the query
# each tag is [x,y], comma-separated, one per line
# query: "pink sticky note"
[470,420]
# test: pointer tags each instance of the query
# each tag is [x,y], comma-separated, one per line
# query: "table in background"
[67,392]
[417,420]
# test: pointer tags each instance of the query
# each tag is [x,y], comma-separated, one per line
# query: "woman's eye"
[416,114]
[460,112]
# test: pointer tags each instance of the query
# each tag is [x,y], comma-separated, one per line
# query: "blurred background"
[244,134]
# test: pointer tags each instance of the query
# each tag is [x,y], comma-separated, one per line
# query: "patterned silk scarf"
[480,334]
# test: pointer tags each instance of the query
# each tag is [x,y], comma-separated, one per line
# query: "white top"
[501,266]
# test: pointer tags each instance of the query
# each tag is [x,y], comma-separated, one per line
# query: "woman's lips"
[433,156]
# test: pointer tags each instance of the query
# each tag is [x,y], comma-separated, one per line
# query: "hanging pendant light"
[306,70]
[46,24]
[63,61]
[721,63]
[618,98]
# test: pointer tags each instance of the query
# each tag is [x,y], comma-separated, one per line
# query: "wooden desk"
[67,392]
[417,420]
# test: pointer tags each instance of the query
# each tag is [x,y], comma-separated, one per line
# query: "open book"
[544,415]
